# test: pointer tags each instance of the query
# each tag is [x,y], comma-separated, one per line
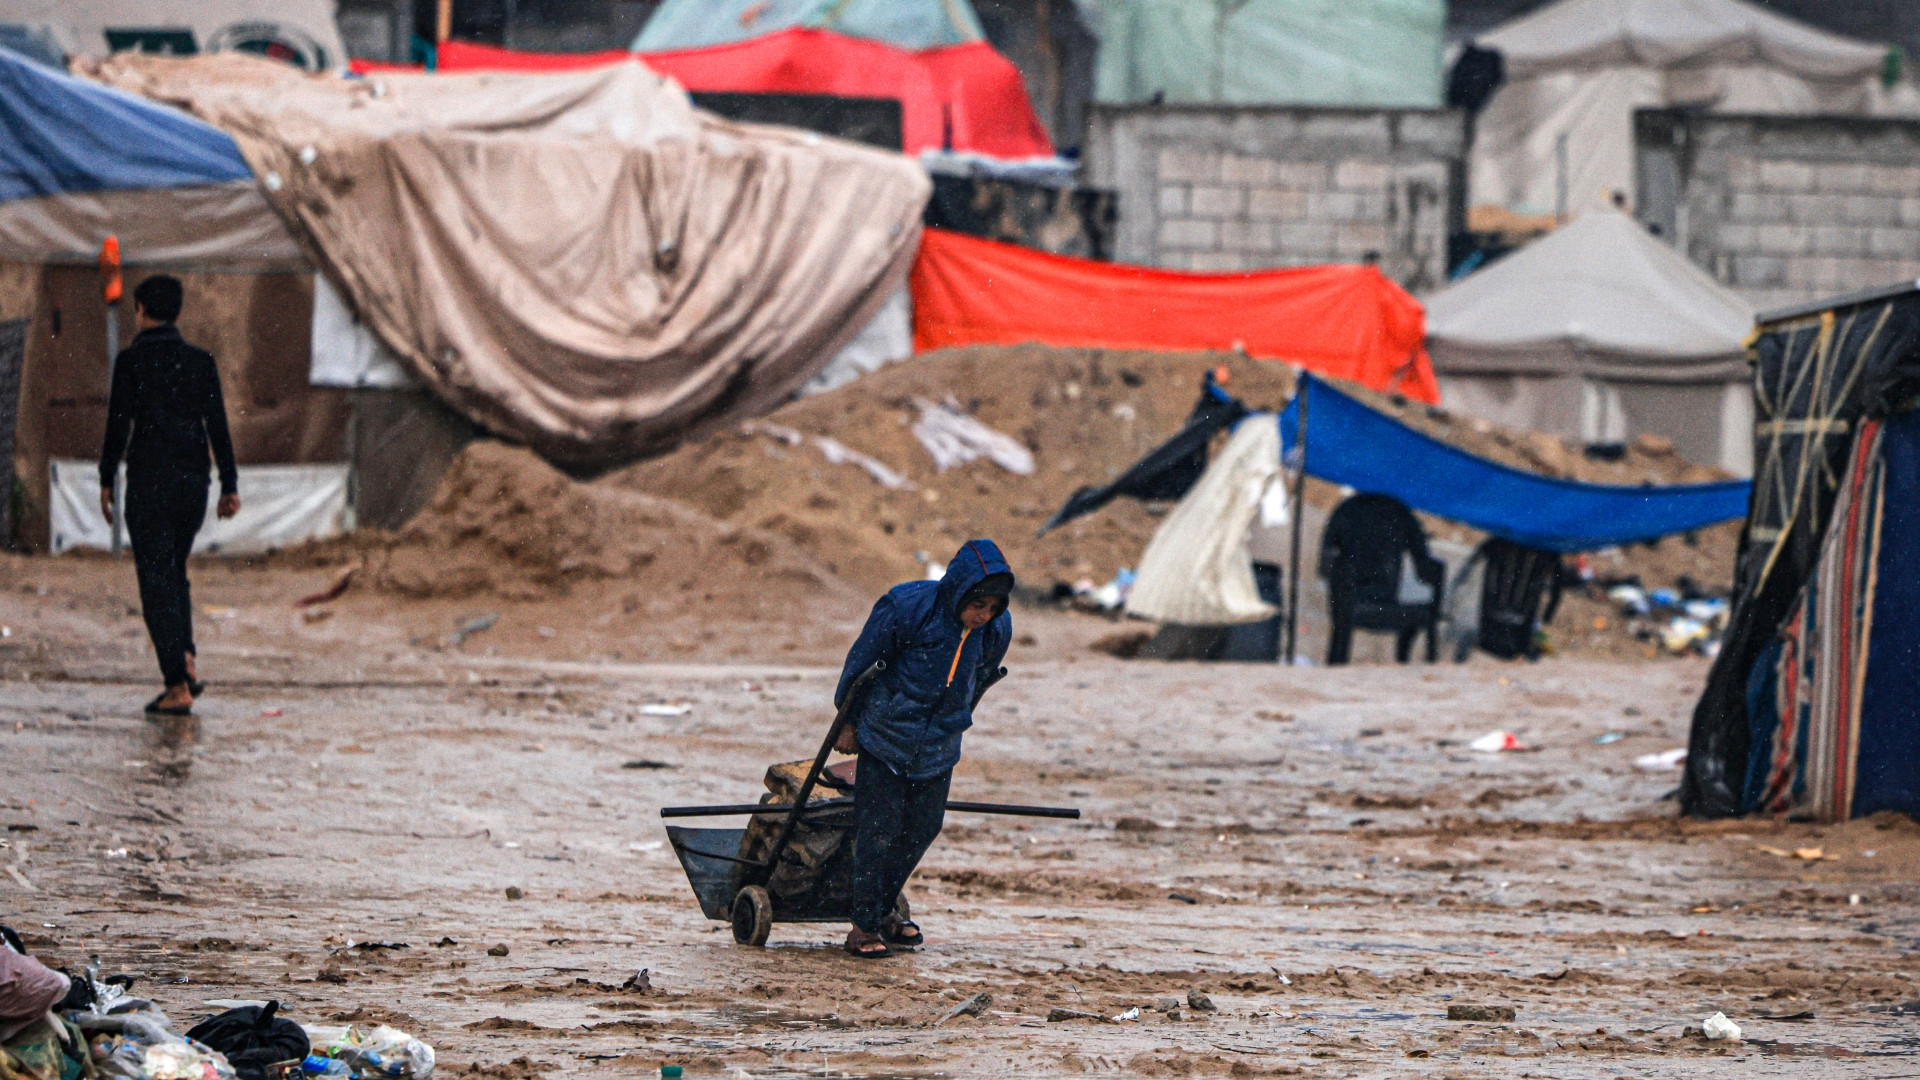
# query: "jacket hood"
[975,562]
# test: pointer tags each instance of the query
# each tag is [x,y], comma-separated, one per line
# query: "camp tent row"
[1812,707]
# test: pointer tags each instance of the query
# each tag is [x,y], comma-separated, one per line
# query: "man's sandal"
[902,932]
[154,708]
[867,946]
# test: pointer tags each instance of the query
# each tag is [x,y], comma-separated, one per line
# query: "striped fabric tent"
[1812,708]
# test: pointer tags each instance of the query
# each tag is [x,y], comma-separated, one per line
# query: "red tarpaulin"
[963,97]
[1347,322]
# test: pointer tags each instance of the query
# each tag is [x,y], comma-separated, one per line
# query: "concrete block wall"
[1243,187]
[1785,209]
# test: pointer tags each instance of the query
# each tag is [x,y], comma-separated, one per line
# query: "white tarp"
[887,338]
[1198,570]
[1578,69]
[1596,297]
[346,352]
[280,505]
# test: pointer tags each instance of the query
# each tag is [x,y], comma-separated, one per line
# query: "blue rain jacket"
[916,710]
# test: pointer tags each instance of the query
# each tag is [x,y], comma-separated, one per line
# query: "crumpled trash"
[1494,742]
[182,1060]
[1706,610]
[954,438]
[1665,759]
[129,1039]
[1720,1029]
[838,453]
[1631,598]
[377,1052]
[1109,597]
[1682,634]
[1664,598]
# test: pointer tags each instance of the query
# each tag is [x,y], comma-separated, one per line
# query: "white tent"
[1599,331]
[1559,134]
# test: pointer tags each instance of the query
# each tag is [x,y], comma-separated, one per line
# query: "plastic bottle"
[315,1065]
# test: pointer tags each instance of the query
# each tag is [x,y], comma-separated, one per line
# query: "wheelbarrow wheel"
[752,915]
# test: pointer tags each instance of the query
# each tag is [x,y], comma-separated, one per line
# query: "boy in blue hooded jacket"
[941,640]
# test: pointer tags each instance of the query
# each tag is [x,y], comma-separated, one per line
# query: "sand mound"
[1085,414]
[505,523]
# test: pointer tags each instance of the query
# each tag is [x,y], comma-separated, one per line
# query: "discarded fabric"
[954,438]
[1720,1029]
[1494,742]
[1665,759]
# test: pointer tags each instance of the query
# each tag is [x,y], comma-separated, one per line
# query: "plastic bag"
[374,1053]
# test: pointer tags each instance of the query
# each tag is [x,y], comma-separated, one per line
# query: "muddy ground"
[1314,850]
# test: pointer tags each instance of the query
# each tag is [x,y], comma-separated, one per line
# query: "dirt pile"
[505,523]
[1086,414]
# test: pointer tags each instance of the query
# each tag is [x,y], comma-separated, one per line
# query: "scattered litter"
[377,1052]
[218,611]
[640,982]
[973,1006]
[954,438]
[1200,1002]
[1853,899]
[665,710]
[1182,897]
[514,892]
[1665,759]
[838,453]
[1789,1018]
[650,845]
[479,624]
[1608,739]
[1061,1016]
[334,590]
[497,950]
[1481,1013]
[1720,1029]
[1130,1014]
[1493,742]
[270,713]
[647,763]
[316,615]
[1109,597]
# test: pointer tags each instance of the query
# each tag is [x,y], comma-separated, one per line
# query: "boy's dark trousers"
[163,514]
[896,820]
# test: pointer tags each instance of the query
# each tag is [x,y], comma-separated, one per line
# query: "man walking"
[166,396]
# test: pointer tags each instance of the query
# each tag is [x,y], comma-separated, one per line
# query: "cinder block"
[1219,202]
[1894,180]
[1787,176]
[1189,233]
[1736,237]
[1355,240]
[1272,203]
[1782,239]
[1759,207]
[1255,236]
[1870,210]
[1306,175]
[1837,239]
[1240,169]
[1183,165]
[1357,173]
[1910,211]
[1333,205]
[1173,200]
[1816,209]
[1218,262]
[1846,178]
[1743,172]
[1894,243]
[1759,271]
[1306,238]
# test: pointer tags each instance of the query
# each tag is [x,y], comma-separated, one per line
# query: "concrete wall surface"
[1785,209]
[1239,187]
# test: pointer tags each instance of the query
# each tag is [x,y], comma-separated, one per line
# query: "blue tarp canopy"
[61,135]
[1349,443]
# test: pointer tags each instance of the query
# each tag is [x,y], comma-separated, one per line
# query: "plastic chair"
[1367,541]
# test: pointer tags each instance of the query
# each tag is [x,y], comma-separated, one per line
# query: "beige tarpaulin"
[1578,69]
[580,261]
[1198,569]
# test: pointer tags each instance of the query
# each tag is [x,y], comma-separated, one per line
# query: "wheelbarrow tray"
[711,859]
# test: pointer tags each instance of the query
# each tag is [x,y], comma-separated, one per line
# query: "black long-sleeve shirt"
[167,394]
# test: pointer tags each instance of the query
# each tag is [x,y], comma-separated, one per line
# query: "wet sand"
[1315,851]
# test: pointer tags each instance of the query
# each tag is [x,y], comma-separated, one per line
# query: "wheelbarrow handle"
[849,704]
[1011,809]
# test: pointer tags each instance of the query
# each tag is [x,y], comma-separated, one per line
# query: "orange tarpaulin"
[959,97]
[1347,322]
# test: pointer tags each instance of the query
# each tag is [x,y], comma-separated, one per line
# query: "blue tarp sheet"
[1888,776]
[59,134]
[1349,443]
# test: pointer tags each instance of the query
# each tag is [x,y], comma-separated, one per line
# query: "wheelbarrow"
[802,869]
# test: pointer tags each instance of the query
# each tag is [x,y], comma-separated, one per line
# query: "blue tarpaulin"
[1349,443]
[59,135]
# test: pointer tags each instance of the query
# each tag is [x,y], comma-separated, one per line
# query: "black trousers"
[895,821]
[162,518]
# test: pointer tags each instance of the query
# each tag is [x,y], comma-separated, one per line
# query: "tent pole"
[1299,515]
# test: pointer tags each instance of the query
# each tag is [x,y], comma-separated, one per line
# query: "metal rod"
[1299,517]
[732,809]
[113,482]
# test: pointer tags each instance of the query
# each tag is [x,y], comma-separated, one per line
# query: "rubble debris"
[1481,1013]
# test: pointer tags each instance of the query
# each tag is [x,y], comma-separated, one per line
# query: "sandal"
[867,946]
[902,932]
[155,708]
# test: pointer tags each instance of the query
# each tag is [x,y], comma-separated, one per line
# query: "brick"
[1893,243]
[1759,206]
[1239,169]
[1189,166]
[1306,236]
[1188,233]
[1257,236]
[1361,174]
[1786,176]
[1333,205]
[1870,210]
[1173,200]
[1277,202]
[1759,271]
[1219,202]
[1782,239]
